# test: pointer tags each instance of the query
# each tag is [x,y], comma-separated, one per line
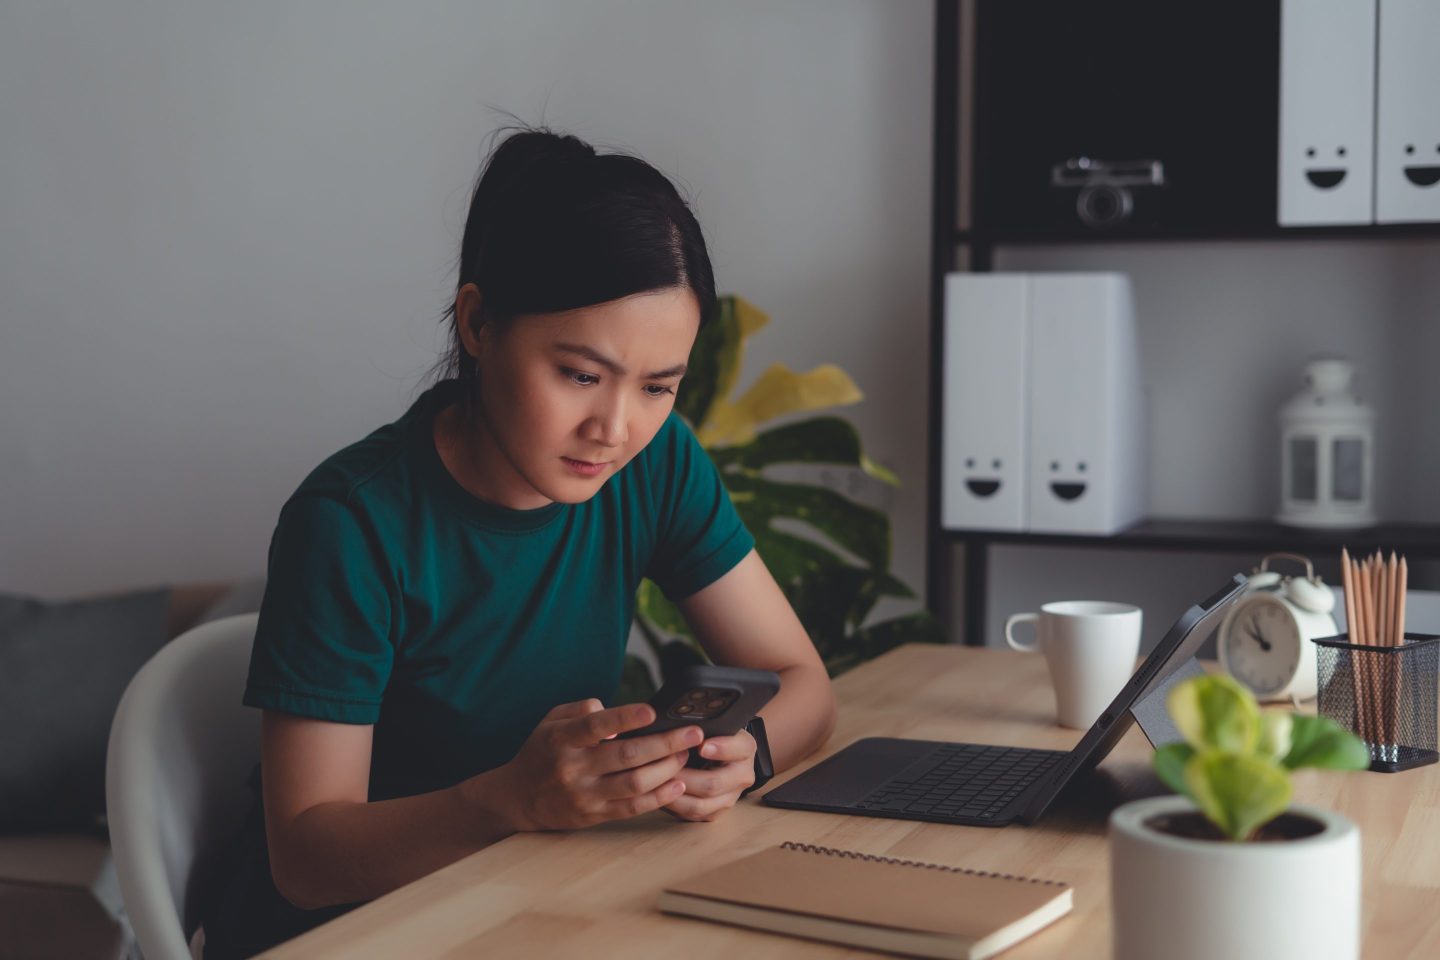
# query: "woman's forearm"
[343,852]
[801,717]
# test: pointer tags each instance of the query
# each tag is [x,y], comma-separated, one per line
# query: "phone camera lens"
[684,708]
[714,704]
[696,695]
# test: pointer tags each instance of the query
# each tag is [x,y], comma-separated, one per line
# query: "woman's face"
[567,399]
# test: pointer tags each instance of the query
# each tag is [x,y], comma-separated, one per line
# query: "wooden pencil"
[1362,655]
[1367,657]
[1397,667]
[1392,688]
[1404,577]
[1352,629]
[1349,584]
[1387,604]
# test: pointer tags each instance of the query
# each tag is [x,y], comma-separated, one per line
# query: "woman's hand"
[571,773]
[709,793]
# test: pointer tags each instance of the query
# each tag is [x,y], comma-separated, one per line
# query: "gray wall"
[228,232]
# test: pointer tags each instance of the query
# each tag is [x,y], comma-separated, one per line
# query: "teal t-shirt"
[395,598]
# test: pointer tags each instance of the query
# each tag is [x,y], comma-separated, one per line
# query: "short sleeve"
[322,646]
[700,537]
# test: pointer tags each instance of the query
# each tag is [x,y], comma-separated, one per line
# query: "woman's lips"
[585,468]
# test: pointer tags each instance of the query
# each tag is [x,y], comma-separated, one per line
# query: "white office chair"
[181,747]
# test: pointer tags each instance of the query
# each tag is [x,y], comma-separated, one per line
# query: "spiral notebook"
[880,903]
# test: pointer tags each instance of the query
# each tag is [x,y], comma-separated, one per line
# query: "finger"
[741,746]
[667,793]
[718,781]
[634,782]
[636,751]
[578,708]
[687,807]
[591,728]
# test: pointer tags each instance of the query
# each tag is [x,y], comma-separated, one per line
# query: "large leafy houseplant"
[829,554]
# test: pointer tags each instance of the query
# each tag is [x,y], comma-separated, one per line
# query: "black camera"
[1110,193]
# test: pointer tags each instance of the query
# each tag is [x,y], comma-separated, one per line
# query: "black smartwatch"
[764,769]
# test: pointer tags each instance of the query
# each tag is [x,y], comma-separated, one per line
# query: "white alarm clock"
[1264,640]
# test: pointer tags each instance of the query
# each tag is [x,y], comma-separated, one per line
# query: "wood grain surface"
[592,893]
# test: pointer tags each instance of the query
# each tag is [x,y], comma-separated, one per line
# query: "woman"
[449,599]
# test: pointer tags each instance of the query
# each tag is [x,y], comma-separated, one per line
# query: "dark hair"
[554,225]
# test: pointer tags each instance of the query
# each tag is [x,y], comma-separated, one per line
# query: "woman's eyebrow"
[595,356]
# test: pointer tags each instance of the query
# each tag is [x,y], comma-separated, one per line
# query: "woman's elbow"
[294,884]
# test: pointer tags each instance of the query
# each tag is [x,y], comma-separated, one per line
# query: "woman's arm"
[328,845]
[743,620]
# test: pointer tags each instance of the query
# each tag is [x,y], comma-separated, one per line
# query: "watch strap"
[764,768]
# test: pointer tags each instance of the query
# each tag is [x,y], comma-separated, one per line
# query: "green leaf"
[713,364]
[789,558]
[862,530]
[867,643]
[878,472]
[1215,712]
[636,684]
[1238,792]
[1170,763]
[1321,742]
[651,603]
[818,440]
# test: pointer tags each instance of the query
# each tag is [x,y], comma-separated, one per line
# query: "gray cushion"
[63,667]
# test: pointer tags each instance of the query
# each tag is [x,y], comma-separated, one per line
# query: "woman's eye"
[656,390]
[583,379]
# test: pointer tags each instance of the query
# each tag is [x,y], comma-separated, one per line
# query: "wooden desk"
[592,893]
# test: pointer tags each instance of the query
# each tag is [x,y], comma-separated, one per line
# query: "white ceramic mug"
[1090,645]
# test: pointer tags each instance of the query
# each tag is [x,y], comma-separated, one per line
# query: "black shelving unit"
[979,240]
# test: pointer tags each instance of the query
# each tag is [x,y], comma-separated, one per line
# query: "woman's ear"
[468,319]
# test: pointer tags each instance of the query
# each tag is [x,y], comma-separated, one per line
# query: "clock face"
[1262,647]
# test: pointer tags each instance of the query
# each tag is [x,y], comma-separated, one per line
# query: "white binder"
[1087,463]
[985,399]
[1327,97]
[1407,141]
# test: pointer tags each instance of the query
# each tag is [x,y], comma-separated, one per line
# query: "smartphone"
[718,700]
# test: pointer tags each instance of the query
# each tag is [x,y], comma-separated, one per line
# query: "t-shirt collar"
[421,436]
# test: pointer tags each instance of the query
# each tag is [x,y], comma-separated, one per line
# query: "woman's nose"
[608,425]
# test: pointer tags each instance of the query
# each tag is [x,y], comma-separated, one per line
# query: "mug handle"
[1010,635]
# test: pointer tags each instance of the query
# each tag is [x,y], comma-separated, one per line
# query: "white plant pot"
[1185,899]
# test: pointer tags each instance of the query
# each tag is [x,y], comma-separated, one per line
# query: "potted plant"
[1231,868]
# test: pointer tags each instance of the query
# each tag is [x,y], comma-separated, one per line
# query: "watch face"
[1262,647]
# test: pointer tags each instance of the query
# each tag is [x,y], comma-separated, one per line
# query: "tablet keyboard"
[962,780]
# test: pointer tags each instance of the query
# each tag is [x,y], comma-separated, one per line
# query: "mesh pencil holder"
[1385,695]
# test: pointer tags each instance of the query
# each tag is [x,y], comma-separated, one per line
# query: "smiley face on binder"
[985,784]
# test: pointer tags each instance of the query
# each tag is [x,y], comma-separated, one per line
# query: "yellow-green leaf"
[878,472]
[1237,792]
[750,317]
[742,318]
[1215,712]
[778,391]
[1274,734]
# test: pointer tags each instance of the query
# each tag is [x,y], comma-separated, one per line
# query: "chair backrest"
[181,747]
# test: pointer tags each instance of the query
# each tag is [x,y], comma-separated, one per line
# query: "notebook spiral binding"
[833,852]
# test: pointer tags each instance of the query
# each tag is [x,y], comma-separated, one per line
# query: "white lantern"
[1327,444]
